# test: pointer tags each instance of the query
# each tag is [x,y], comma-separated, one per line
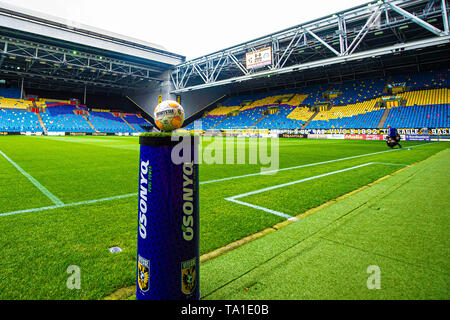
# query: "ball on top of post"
[169,116]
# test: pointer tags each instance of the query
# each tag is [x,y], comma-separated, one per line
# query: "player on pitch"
[393,138]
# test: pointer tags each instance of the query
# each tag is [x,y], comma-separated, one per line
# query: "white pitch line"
[43,189]
[281,214]
[68,205]
[298,181]
[308,165]
[232,199]
[277,213]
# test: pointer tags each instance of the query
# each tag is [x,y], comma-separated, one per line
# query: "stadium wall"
[101,100]
[192,102]
[195,101]
[149,100]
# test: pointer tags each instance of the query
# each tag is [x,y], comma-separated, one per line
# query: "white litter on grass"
[115,249]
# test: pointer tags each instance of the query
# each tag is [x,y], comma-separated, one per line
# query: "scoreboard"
[259,58]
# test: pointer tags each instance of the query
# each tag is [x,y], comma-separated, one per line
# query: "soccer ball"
[169,115]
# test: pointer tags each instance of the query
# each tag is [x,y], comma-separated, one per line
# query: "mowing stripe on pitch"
[309,165]
[68,205]
[43,189]
[393,164]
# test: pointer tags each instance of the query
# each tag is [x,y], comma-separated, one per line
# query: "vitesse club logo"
[143,274]
[188,276]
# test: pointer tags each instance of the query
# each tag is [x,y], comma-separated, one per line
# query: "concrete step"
[90,123]
[310,119]
[41,122]
[257,122]
[128,124]
[383,118]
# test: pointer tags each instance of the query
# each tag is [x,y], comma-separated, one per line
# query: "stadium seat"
[107,122]
[62,118]
[137,122]
[19,121]
[351,104]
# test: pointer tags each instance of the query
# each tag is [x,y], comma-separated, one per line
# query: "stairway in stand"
[383,118]
[36,110]
[257,122]
[219,122]
[310,119]
[131,126]
[90,123]
[41,123]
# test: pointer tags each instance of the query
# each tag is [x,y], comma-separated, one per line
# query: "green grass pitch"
[37,246]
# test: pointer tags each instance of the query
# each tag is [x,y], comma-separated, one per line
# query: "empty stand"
[423,100]
[62,118]
[351,104]
[19,121]
[359,115]
[108,123]
[429,116]
[10,93]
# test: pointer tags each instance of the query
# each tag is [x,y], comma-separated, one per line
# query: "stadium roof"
[44,49]
[27,14]
[51,53]
[379,29]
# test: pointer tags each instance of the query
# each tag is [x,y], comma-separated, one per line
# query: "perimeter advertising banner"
[28,133]
[401,131]
[293,135]
[439,132]
[317,136]
[347,136]
[374,137]
[355,137]
[52,133]
[418,138]
[248,132]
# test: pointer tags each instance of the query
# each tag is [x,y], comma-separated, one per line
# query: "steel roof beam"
[323,42]
[445,20]
[328,62]
[65,60]
[417,20]
[347,30]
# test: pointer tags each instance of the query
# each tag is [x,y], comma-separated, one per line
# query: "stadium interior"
[420,100]
[48,115]
[300,183]
[50,84]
